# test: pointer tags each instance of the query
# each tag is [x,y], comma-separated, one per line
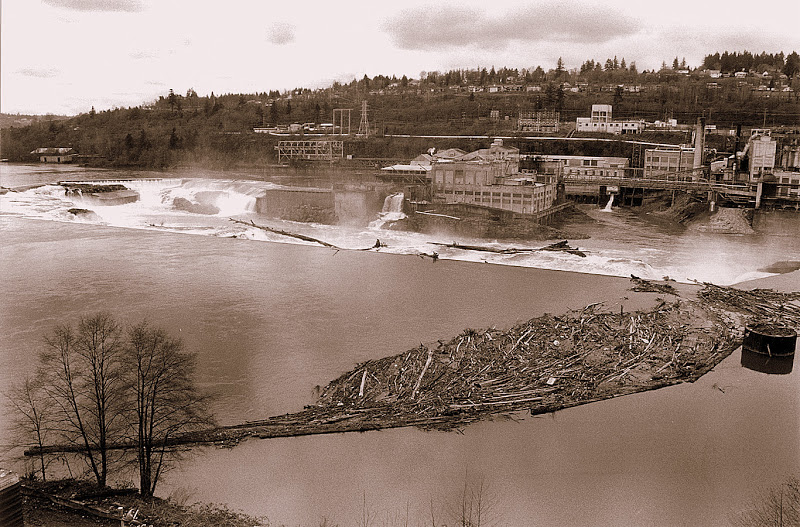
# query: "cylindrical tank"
[774,340]
[775,365]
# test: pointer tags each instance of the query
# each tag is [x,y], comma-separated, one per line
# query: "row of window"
[501,195]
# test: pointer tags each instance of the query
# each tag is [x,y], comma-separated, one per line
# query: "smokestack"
[736,149]
[699,142]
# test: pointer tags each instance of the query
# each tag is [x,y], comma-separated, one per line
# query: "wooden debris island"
[542,365]
[545,364]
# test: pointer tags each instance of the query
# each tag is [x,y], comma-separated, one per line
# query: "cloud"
[280,33]
[434,28]
[143,55]
[129,6]
[39,73]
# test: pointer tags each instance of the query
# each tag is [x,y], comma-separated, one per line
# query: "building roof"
[489,153]
[422,169]
[450,153]
[51,151]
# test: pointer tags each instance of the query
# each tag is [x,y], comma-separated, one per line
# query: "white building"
[54,155]
[601,121]
[761,150]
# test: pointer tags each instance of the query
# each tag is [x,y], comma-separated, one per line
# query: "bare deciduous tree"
[167,403]
[476,506]
[777,507]
[81,370]
[32,416]
[107,390]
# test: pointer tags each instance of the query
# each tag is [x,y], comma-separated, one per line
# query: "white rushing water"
[392,210]
[620,245]
[609,204]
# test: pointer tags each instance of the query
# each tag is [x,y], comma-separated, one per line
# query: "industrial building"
[490,177]
[588,166]
[601,121]
[667,163]
[542,121]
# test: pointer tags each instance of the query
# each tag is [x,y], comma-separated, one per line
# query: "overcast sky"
[65,56]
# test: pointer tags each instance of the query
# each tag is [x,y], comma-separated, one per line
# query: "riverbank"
[76,503]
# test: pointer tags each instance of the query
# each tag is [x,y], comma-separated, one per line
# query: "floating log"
[378,244]
[559,246]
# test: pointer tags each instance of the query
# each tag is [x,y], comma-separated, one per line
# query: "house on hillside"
[55,155]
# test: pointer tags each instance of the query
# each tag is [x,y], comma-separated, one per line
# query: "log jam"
[542,365]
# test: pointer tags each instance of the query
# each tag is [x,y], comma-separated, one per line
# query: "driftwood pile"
[546,363]
[542,365]
[757,305]
[90,188]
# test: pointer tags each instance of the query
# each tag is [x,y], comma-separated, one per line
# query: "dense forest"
[217,130]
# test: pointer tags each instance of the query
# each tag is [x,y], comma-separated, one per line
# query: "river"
[271,320]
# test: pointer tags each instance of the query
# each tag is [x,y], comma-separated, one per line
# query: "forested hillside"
[218,130]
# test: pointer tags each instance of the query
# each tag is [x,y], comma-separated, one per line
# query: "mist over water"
[620,244]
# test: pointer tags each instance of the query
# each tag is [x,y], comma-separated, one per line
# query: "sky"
[67,56]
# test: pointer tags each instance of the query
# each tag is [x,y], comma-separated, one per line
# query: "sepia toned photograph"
[399,264]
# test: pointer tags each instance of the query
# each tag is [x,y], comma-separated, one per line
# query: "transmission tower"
[363,126]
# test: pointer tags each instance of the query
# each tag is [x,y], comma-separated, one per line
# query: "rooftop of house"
[51,151]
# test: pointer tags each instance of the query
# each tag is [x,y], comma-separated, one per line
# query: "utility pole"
[340,112]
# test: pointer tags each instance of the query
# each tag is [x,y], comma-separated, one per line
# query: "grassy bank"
[73,503]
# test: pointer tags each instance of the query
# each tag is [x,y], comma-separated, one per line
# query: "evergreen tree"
[792,66]
[273,112]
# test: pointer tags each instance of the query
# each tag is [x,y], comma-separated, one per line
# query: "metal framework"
[340,112]
[363,126]
[309,150]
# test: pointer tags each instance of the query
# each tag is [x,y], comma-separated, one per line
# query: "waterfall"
[610,202]
[393,205]
[204,196]
[392,210]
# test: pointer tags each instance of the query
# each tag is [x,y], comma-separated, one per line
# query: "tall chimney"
[699,142]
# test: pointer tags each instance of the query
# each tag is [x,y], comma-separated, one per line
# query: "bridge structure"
[692,181]
[313,150]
